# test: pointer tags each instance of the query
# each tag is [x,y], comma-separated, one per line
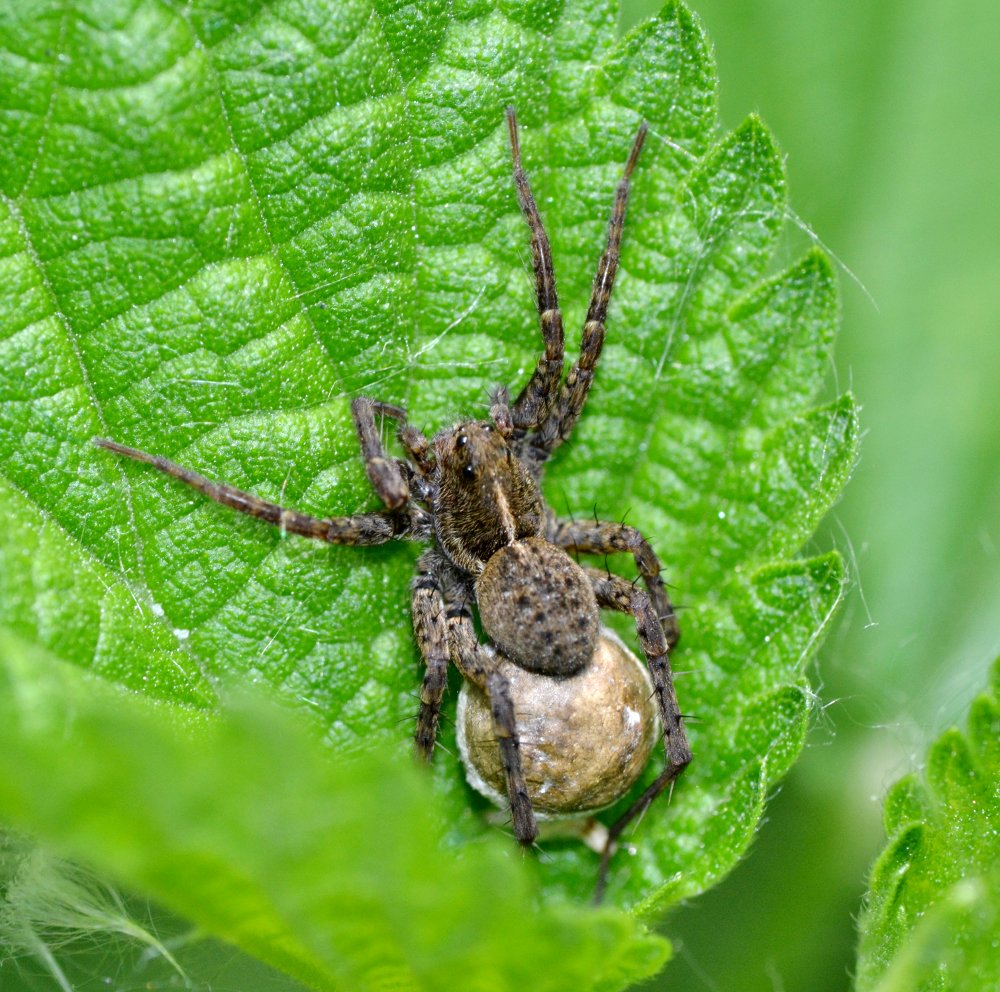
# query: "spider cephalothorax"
[485,499]
[472,492]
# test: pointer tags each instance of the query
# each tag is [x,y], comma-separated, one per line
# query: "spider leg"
[430,625]
[564,413]
[607,537]
[532,403]
[383,473]
[360,529]
[478,664]
[616,593]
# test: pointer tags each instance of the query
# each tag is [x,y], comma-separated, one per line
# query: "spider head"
[485,497]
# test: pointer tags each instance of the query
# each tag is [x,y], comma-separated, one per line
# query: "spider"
[472,491]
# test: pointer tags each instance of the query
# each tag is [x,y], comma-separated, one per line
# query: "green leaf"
[340,894]
[933,909]
[218,222]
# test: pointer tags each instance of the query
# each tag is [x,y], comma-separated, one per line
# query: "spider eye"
[469,472]
[462,440]
[487,428]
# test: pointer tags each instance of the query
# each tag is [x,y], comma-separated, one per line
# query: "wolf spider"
[472,492]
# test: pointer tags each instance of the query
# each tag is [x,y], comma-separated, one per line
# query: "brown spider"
[472,491]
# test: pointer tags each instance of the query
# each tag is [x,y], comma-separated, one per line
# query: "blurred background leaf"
[331,871]
[932,914]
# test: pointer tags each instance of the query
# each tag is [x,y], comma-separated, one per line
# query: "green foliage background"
[933,912]
[887,113]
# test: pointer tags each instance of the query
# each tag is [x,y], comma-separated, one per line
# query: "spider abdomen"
[538,606]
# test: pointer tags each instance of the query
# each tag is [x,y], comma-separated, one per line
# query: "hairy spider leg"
[564,413]
[665,780]
[444,630]
[385,474]
[430,626]
[616,593]
[532,403]
[478,664]
[359,529]
[609,537]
